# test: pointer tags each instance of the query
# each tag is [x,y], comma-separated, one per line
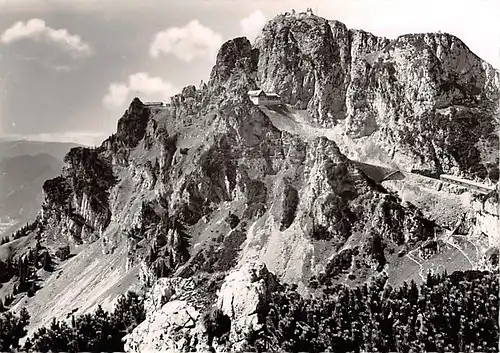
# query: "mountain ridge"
[209,183]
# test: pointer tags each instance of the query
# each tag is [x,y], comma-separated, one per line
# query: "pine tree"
[184,240]
[12,328]
[46,261]
[413,293]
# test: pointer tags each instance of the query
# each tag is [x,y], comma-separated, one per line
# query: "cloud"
[37,29]
[62,68]
[188,42]
[153,88]
[253,24]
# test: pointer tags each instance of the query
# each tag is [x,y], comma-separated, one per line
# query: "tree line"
[99,331]
[457,312]
[447,313]
[22,232]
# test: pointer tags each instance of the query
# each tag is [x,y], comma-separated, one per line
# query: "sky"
[69,68]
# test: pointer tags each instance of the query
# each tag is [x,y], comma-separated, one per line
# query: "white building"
[259,97]
[157,104]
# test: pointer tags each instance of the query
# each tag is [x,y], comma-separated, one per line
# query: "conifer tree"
[46,261]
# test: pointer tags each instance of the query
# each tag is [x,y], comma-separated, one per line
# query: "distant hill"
[21,178]
[12,148]
[24,166]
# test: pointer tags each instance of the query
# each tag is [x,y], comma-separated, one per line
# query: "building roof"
[255,93]
[259,92]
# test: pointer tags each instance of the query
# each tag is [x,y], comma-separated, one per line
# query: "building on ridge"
[154,104]
[259,97]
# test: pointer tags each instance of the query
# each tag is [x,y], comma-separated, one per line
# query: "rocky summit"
[218,209]
[414,101]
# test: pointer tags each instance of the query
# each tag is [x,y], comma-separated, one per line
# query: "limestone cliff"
[486,214]
[179,311]
[420,101]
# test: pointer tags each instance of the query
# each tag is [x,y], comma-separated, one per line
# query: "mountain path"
[411,257]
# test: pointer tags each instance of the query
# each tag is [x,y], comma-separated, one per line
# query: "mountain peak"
[235,56]
[135,104]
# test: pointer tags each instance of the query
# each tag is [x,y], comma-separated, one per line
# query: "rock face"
[486,212]
[420,98]
[172,319]
[77,201]
[243,295]
[175,312]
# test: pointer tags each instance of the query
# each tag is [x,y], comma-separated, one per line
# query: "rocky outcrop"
[173,319]
[236,56]
[307,59]
[77,202]
[242,297]
[486,212]
[178,314]
[132,126]
[289,205]
[427,108]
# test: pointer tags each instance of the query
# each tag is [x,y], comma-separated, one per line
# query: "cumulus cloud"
[141,84]
[37,29]
[188,42]
[252,24]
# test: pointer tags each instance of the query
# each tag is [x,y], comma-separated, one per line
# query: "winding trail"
[474,245]
[411,257]
[447,241]
[447,238]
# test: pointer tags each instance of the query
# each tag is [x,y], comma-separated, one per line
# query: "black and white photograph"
[249,176]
